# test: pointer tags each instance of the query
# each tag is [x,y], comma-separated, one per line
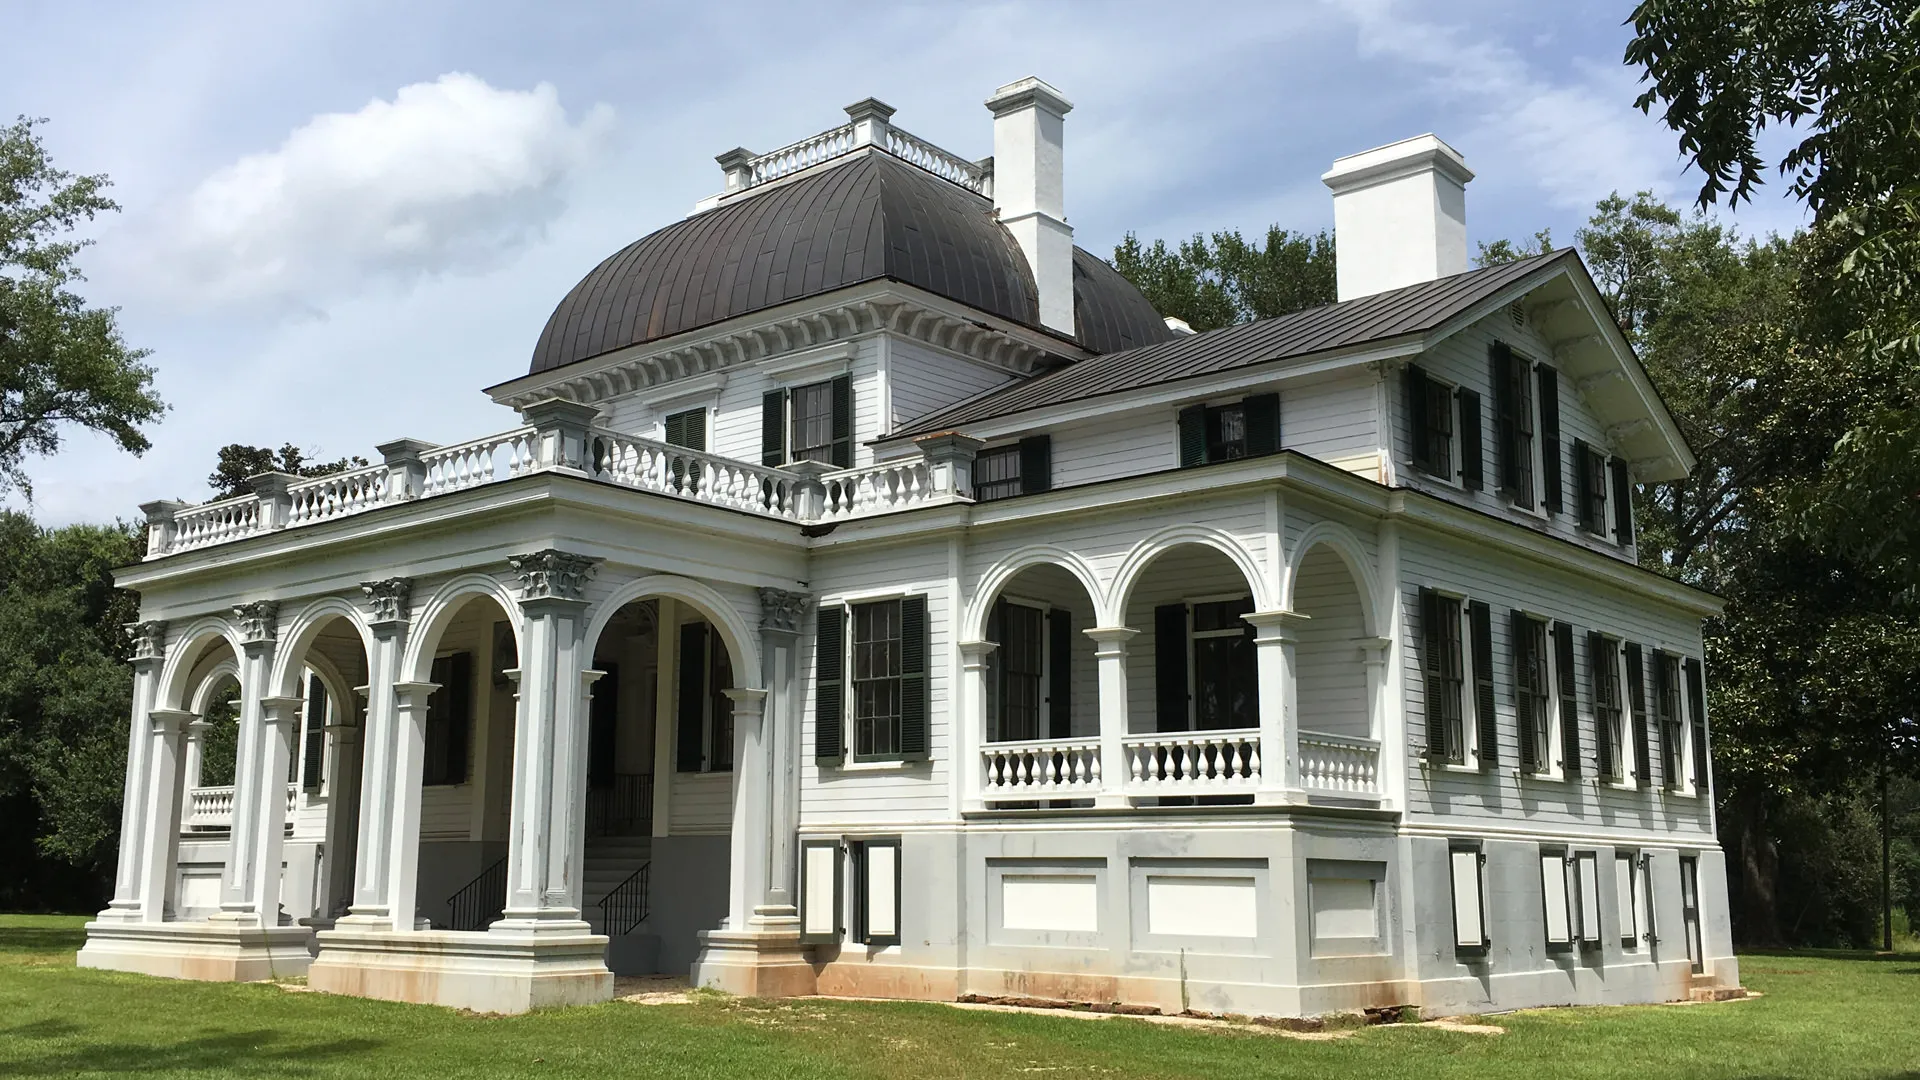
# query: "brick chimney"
[1028,182]
[1399,215]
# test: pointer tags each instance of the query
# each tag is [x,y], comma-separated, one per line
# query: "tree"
[239,462]
[61,362]
[1229,279]
[1506,251]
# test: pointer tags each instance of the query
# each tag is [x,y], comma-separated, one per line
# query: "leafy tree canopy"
[61,362]
[238,463]
[1228,279]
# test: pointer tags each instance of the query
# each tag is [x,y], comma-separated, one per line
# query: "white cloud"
[450,175]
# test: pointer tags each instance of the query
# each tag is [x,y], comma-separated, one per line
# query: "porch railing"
[1193,762]
[1049,769]
[622,808]
[211,808]
[1339,763]
[625,906]
[480,902]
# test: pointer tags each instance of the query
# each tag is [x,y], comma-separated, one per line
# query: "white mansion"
[878,597]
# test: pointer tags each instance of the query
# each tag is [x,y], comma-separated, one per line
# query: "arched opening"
[1330,671]
[210,690]
[324,662]
[1039,715]
[1192,679]
[659,782]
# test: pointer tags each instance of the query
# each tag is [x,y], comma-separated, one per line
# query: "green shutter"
[843,421]
[773,428]
[1506,428]
[1036,464]
[1472,453]
[1419,431]
[1170,667]
[1263,424]
[1480,620]
[1432,665]
[1569,699]
[1060,673]
[314,747]
[1598,676]
[1622,502]
[691,695]
[1697,720]
[1637,699]
[1520,645]
[1193,436]
[914,702]
[1550,436]
[829,683]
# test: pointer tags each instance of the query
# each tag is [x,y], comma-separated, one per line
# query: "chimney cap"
[1031,90]
[1397,159]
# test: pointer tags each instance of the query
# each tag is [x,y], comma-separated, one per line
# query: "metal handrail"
[625,905]
[623,808]
[481,901]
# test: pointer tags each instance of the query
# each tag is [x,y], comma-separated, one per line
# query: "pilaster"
[782,616]
[160,823]
[403,850]
[1110,654]
[970,728]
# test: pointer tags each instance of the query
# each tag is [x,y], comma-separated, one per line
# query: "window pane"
[1226,433]
[813,422]
[876,679]
[996,473]
[1221,615]
[1022,666]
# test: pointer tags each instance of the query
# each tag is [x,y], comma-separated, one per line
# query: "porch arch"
[205,686]
[995,580]
[176,673]
[416,664]
[1158,544]
[1342,542]
[292,654]
[742,644]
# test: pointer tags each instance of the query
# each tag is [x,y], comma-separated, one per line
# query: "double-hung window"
[1225,675]
[1590,488]
[870,676]
[311,760]
[1430,404]
[813,422]
[1532,693]
[1018,673]
[1666,689]
[1603,665]
[1444,682]
[1246,428]
[876,679]
[1022,468]
[1513,383]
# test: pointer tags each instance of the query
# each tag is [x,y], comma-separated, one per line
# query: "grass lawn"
[1823,1015]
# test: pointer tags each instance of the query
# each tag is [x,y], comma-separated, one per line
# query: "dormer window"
[813,422]
[1246,428]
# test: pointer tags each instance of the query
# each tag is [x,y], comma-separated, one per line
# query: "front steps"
[611,860]
[1705,987]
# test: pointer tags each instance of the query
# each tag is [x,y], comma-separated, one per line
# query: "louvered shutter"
[842,391]
[1550,436]
[1263,423]
[1520,644]
[313,748]
[1060,673]
[1582,485]
[829,683]
[914,702]
[1486,720]
[1569,699]
[1418,430]
[1432,665]
[996,686]
[1599,661]
[691,694]
[773,428]
[1472,453]
[1170,666]
[1036,464]
[1506,429]
[1637,700]
[1622,502]
[1697,720]
[1193,436]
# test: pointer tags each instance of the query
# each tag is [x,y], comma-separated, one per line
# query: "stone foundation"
[207,951]
[490,971]
[753,964]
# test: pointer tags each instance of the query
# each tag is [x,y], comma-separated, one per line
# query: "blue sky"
[341,221]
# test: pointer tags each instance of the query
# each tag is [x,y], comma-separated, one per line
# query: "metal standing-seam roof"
[870,217]
[1415,309]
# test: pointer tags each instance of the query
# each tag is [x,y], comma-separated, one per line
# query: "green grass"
[1824,1015]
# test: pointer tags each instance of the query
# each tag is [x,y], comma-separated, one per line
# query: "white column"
[149,649]
[343,807]
[666,666]
[403,827]
[279,719]
[1274,635]
[191,761]
[747,878]
[970,725]
[372,906]
[239,890]
[546,838]
[160,825]
[1110,653]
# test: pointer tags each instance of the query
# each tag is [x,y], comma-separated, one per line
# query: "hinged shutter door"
[1554,898]
[1036,464]
[1193,436]
[1263,423]
[691,697]
[822,871]
[313,751]
[877,871]
[1505,423]
[1472,453]
[1432,665]
[1697,720]
[1550,436]
[1170,666]
[1582,486]
[1637,700]
[1622,502]
[914,704]
[829,683]
[1480,616]
[1469,915]
[1626,904]
[1587,875]
[1415,390]
[1060,673]
[1569,699]
[1520,643]
[842,391]
[773,428]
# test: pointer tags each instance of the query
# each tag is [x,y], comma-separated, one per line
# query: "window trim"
[1549,760]
[1008,450]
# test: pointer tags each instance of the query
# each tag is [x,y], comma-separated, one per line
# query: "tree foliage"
[61,362]
[238,463]
[1228,279]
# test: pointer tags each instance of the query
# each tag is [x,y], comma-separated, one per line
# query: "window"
[870,670]
[1563,684]
[1513,417]
[705,721]
[449,720]
[1018,670]
[808,423]
[1603,665]
[1626,885]
[876,871]
[1023,468]
[1226,680]
[1430,420]
[1590,488]
[1532,693]
[1556,899]
[688,429]
[813,422]
[1464,864]
[1666,696]
[1246,428]
[876,679]
[1444,678]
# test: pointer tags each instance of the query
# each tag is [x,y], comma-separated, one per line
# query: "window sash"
[1226,432]
[1607,712]
[996,473]
[1446,679]
[1532,678]
[1437,455]
[1022,655]
[812,407]
[1667,702]
[876,682]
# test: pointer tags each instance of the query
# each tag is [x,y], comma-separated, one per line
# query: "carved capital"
[259,621]
[149,639]
[552,574]
[782,610]
[389,599]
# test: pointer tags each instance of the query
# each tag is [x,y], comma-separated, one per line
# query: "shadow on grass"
[1835,954]
[34,1054]
[41,940]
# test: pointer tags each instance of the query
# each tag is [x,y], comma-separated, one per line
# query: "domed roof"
[871,218]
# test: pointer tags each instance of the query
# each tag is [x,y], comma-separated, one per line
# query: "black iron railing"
[625,907]
[480,901]
[622,808]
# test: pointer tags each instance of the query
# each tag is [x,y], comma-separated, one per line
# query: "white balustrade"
[771,166]
[1193,762]
[634,462]
[878,489]
[212,807]
[216,523]
[336,495]
[1339,763]
[1050,768]
[481,461]
[941,163]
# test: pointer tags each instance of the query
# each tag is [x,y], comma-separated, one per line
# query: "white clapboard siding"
[1332,692]
[1183,573]
[1123,444]
[921,379]
[1058,590]
[700,803]
[1331,417]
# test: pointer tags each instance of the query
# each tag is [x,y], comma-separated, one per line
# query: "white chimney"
[1028,178]
[1399,215]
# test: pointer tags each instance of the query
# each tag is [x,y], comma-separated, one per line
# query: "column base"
[490,971]
[207,951]
[754,963]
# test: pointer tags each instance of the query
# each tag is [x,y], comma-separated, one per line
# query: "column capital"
[552,574]
[1112,640]
[281,710]
[1271,626]
[149,639]
[414,694]
[172,721]
[974,654]
[389,600]
[259,621]
[783,611]
[1373,650]
[746,702]
[197,728]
